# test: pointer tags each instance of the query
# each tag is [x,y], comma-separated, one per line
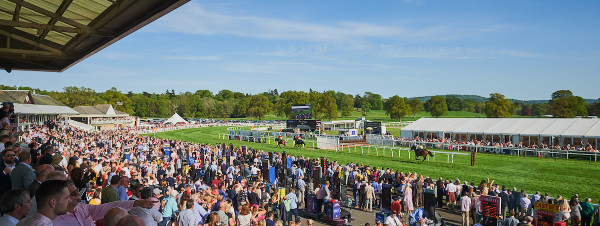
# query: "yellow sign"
[281,193]
[154,130]
[547,207]
[253,127]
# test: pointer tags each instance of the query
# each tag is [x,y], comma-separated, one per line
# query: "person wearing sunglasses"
[7,164]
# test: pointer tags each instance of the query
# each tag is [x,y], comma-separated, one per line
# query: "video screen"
[301,112]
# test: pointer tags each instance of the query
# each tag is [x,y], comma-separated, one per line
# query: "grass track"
[564,177]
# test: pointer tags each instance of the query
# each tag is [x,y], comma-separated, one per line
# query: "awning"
[32,109]
[55,35]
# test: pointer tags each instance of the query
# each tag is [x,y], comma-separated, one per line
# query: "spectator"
[52,201]
[186,217]
[293,205]
[575,210]
[169,208]
[465,207]
[85,214]
[525,203]
[23,174]
[149,216]
[47,157]
[392,219]
[6,166]
[121,189]
[131,221]
[114,215]
[109,193]
[15,205]
[244,218]
[511,220]
[587,211]
[40,176]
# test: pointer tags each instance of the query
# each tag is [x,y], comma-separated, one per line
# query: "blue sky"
[522,49]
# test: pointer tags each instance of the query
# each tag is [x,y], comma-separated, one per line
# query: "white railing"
[396,124]
[80,125]
[111,121]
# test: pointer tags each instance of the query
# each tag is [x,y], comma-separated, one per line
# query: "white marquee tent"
[175,119]
[550,131]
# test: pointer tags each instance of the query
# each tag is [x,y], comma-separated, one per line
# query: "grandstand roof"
[53,35]
[33,109]
[99,110]
[566,127]
[27,97]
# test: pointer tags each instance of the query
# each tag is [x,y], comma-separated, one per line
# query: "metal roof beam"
[50,14]
[60,11]
[46,27]
[29,52]
[30,42]
[106,16]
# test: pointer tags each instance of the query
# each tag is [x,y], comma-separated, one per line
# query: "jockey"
[419,147]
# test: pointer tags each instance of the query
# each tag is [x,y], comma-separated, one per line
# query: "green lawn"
[562,176]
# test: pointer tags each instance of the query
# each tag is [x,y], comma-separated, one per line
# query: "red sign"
[491,209]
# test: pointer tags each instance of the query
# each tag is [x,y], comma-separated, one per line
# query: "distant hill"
[478,98]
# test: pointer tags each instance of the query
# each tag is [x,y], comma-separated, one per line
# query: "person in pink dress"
[408,201]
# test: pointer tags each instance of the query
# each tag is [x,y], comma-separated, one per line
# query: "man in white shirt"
[149,216]
[392,219]
[465,206]
[15,205]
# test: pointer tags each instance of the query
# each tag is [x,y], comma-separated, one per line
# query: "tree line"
[325,105]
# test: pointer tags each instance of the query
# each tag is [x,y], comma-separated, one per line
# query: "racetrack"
[557,177]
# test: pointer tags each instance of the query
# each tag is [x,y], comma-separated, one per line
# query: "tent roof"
[575,127]
[32,109]
[501,126]
[558,127]
[579,127]
[594,131]
[175,119]
[53,35]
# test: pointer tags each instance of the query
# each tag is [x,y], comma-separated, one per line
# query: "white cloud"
[194,18]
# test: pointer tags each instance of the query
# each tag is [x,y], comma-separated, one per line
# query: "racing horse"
[280,142]
[420,152]
[298,142]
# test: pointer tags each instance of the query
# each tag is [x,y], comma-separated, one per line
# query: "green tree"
[497,106]
[436,106]
[396,108]
[346,105]
[225,95]
[375,100]
[538,110]
[365,107]
[141,105]
[74,96]
[328,107]
[204,93]
[416,106]
[565,105]
[118,99]
[468,105]
[454,104]
[283,107]
[259,106]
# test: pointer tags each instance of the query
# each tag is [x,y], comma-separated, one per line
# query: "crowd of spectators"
[58,174]
[581,147]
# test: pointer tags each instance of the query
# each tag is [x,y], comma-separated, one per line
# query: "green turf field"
[564,177]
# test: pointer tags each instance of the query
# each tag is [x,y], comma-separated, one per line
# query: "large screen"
[301,112]
[303,125]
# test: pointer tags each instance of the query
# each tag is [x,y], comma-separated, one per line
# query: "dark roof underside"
[53,35]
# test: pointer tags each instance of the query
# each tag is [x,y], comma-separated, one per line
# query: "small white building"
[102,117]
